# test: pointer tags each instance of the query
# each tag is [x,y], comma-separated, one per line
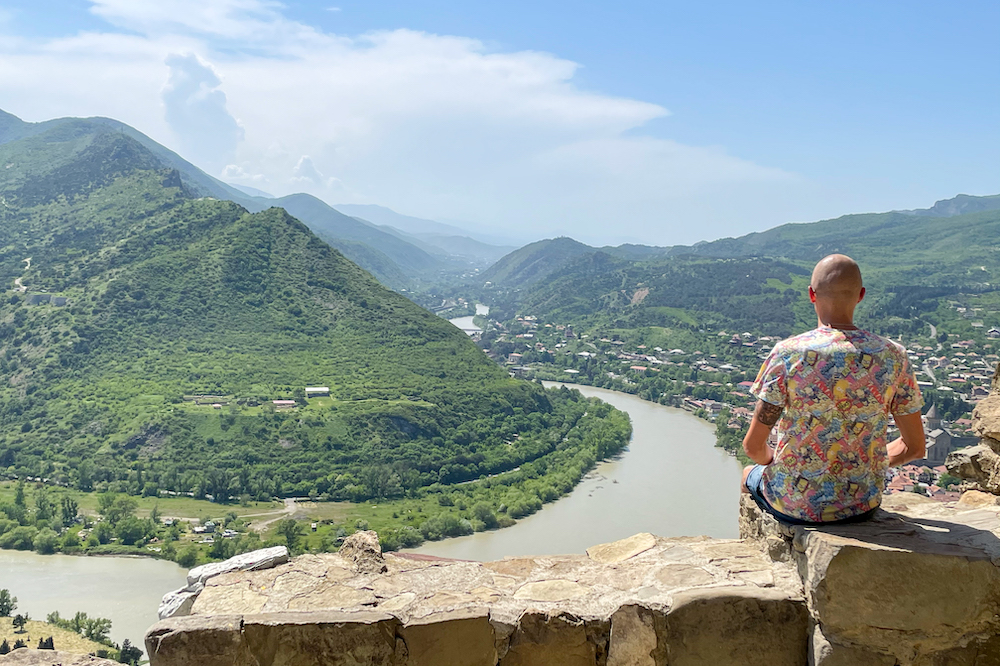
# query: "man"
[831,391]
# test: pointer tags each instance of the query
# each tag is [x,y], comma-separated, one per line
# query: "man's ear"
[812,295]
[861,297]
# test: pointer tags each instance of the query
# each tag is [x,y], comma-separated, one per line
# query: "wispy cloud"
[438,126]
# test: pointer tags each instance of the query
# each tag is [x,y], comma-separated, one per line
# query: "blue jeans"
[754,480]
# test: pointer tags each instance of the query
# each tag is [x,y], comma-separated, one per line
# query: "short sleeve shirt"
[837,389]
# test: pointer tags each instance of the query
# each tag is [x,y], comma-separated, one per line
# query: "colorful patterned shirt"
[837,389]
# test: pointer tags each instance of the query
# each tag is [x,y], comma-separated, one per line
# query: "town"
[711,375]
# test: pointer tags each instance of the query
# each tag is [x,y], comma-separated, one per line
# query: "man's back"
[837,388]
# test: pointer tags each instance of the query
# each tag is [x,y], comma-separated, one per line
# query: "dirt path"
[288,511]
[18,286]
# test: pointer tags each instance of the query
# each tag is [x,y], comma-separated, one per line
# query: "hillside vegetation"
[169,296]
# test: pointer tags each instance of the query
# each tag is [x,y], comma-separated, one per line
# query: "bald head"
[837,278]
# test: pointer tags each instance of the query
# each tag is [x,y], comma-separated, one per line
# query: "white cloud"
[436,126]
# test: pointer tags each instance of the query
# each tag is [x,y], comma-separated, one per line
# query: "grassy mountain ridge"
[395,261]
[533,262]
[171,295]
[757,281]
[337,228]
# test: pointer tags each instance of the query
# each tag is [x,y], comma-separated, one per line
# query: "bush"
[445,525]
[484,513]
[46,542]
[19,538]
[187,557]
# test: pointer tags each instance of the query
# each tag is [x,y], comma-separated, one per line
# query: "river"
[671,481]
[126,590]
[465,323]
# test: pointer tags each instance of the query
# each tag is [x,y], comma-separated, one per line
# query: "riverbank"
[671,481]
[127,591]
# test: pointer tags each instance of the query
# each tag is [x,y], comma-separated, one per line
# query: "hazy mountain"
[533,262]
[393,260]
[959,205]
[252,191]
[169,294]
[345,232]
[419,227]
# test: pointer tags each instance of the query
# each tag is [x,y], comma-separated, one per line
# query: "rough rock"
[329,638]
[181,602]
[203,640]
[543,639]
[824,653]
[635,637]
[256,560]
[736,625]
[30,657]
[979,464]
[452,638]
[986,416]
[619,551]
[974,499]
[363,549]
[941,578]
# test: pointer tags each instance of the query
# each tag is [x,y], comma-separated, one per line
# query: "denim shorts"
[754,481]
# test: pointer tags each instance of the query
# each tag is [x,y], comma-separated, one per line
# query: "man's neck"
[844,322]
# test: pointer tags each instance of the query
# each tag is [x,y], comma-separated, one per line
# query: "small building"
[283,404]
[38,299]
[314,391]
[993,333]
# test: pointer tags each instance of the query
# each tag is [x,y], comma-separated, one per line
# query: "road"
[18,286]
[287,512]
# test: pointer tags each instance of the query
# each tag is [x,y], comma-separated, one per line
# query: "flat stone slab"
[643,568]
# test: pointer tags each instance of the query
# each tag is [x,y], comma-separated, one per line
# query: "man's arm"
[911,444]
[765,415]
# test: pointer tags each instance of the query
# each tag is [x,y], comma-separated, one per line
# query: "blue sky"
[661,122]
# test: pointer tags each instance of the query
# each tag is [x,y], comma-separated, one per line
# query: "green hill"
[334,227]
[918,249]
[127,294]
[911,259]
[534,262]
[395,261]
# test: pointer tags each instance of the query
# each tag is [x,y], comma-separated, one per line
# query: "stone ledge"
[918,585]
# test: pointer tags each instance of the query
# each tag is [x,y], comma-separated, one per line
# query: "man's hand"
[765,415]
[911,445]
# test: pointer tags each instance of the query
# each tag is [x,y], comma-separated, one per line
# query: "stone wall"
[918,585]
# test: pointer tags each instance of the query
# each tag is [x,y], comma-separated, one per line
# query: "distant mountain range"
[756,280]
[411,252]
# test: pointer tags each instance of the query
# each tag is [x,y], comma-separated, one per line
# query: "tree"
[4,647]
[69,510]
[19,494]
[19,621]
[44,508]
[129,654]
[18,644]
[291,530]
[8,603]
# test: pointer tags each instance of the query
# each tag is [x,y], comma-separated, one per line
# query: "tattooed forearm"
[767,413]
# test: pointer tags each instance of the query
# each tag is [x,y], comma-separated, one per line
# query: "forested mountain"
[127,295]
[391,259]
[911,259]
[533,262]
[922,246]
[395,260]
